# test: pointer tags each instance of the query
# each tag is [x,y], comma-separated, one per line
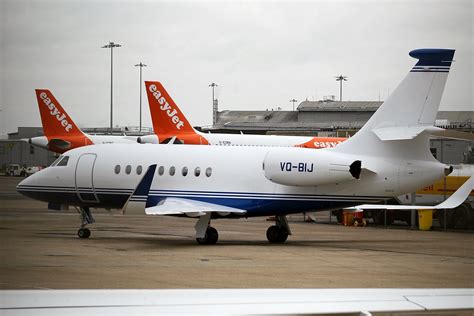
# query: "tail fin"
[166,117]
[56,122]
[409,111]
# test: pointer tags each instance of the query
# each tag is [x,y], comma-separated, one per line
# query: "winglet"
[137,201]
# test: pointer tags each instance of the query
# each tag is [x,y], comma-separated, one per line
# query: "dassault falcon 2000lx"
[388,157]
[61,134]
[170,124]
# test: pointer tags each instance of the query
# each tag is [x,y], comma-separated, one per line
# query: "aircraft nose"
[28,184]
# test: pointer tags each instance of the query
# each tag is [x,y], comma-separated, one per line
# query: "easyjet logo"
[164,106]
[326,144]
[61,117]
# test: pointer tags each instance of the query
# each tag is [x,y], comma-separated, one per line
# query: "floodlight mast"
[111,45]
[141,65]
[293,101]
[214,105]
[340,78]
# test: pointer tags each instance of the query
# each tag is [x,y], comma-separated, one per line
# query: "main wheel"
[210,238]
[83,233]
[272,234]
[283,235]
[276,234]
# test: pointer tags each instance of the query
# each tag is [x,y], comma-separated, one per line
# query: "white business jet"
[388,157]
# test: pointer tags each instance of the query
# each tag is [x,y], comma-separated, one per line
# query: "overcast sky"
[261,54]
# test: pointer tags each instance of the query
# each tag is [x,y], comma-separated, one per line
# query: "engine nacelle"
[40,141]
[148,139]
[309,167]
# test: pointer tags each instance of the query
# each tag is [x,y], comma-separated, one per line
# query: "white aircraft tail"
[402,124]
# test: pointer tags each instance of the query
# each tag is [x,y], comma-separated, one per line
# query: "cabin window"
[197,171]
[128,169]
[172,170]
[185,171]
[208,172]
[139,169]
[63,162]
[117,169]
[161,170]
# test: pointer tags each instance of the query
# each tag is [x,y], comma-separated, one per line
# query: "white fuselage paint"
[236,172]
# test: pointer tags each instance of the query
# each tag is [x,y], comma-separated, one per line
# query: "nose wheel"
[86,217]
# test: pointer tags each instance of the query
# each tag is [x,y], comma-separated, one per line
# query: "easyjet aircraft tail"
[61,133]
[168,120]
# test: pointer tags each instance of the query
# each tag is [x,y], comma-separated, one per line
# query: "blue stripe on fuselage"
[256,204]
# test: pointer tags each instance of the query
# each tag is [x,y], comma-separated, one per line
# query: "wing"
[452,202]
[192,208]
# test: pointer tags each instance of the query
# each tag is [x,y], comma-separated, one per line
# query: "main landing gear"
[206,234]
[86,217]
[279,232]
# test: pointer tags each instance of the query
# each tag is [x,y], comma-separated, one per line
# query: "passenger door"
[84,175]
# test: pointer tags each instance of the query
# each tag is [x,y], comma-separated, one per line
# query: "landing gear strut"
[206,234]
[86,217]
[279,232]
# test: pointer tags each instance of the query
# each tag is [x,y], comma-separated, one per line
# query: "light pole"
[111,45]
[214,105]
[293,101]
[340,78]
[141,65]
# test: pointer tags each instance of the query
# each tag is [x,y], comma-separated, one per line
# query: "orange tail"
[166,117]
[56,122]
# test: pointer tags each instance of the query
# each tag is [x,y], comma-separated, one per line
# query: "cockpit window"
[56,161]
[63,162]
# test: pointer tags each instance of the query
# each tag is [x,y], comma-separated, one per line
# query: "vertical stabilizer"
[409,112]
[166,116]
[56,122]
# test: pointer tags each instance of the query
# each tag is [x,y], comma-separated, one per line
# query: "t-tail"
[61,133]
[400,128]
[169,123]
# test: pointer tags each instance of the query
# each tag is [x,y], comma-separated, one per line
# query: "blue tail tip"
[433,56]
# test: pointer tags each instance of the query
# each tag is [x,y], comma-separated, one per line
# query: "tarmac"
[40,250]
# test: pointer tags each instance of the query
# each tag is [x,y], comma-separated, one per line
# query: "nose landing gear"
[86,217]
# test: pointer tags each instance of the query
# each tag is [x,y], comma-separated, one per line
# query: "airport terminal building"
[317,118]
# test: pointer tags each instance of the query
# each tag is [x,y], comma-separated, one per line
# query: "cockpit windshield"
[56,161]
[61,161]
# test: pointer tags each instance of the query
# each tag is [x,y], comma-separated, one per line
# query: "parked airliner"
[169,123]
[61,133]
[388,157]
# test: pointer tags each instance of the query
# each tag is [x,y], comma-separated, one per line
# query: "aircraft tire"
[210,238]
[83,233]
[276,234]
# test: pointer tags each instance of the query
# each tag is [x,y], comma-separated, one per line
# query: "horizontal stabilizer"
[137,201]
[456,199]
[403,132]
[192,208]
